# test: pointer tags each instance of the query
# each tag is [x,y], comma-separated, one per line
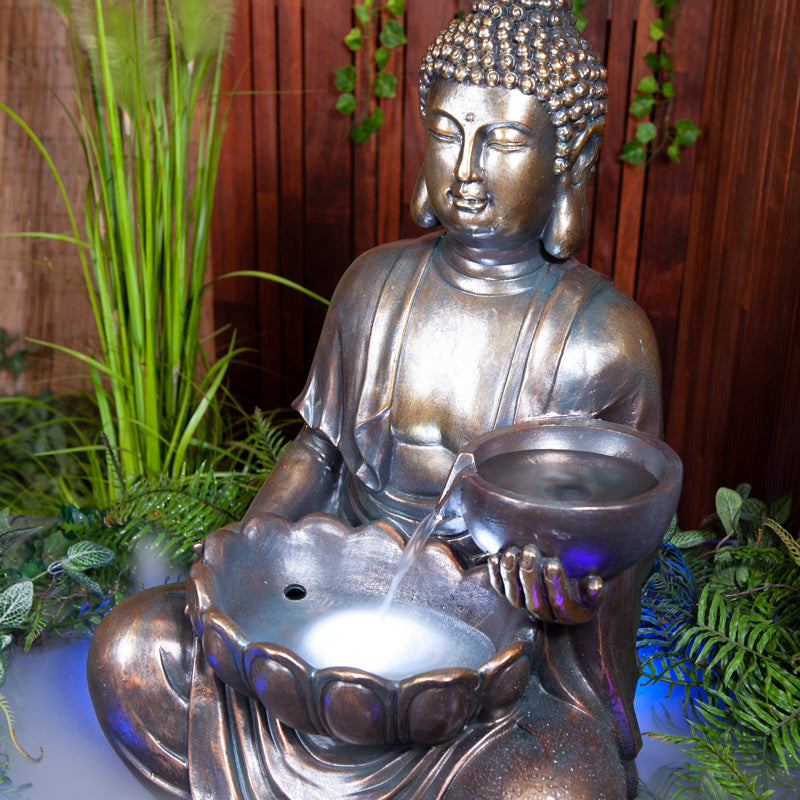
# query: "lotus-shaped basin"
[597,495]
[290,614]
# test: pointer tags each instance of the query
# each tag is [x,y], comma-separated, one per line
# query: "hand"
[526,579]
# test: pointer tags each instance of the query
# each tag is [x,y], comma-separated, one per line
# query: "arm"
[307,478]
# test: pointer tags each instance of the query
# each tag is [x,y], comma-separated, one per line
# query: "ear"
[566,229]
[421,209]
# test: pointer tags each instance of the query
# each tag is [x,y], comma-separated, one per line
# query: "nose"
[468,168]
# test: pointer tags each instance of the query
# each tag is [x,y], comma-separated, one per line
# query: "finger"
[562,593]
[494,574]
[530,578]
[509,571]
[592,590]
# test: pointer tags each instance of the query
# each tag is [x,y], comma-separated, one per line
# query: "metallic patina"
[428,344]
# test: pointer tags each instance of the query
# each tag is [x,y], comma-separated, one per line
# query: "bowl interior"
[322,598]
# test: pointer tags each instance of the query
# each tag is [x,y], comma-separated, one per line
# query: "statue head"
[528,50]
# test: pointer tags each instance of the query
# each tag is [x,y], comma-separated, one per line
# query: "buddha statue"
[427,344]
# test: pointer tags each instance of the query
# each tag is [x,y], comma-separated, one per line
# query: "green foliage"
[360,89]
[657,91]
[721,616]
[580,17]
[154,77]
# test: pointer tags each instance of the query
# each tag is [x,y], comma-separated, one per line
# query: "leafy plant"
[154,78]
[721,619]
[361,88]
[657,90]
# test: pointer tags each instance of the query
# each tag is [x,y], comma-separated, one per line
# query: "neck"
[489,263]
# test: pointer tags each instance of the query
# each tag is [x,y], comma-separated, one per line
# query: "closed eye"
[506,146]
[444,136]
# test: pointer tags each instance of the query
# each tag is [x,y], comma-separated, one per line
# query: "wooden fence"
[707,247]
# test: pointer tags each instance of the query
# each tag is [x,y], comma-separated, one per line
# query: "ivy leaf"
[382,56]
[396,7]
[633,152]
[657,30]
[392,34]
[642,105]
[729,506]
[653,61]
[668,89]
[353,39]
[345,80]
[363,130]
[87,555]
[647,85]
[363,13]
[665,62]
[15,603]
[346,103]
[385,85]
[646,132]
[686,132]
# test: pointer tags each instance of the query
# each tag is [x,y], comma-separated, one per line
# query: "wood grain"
[709,247]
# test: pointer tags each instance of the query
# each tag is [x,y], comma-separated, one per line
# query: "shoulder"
[366,276]
[611,339]
[606,318]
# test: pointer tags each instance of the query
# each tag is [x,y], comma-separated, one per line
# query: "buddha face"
[489,165]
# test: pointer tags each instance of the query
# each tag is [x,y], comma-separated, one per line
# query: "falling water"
[414,545]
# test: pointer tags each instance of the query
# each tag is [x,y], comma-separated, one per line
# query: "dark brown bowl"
[608,516]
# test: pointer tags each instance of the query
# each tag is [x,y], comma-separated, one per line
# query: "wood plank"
[628,230]
[424,21]
[233,234]
[729,418]
[667,204]
[364,215]
[609,168]
[43,292]
[291,120]
[390,207]
[264,37]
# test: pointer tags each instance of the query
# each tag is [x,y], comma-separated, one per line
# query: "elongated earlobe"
[421,209]
[565,232]
[566,229]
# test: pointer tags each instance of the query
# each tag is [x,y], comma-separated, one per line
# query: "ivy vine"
[360,93]
[657,90]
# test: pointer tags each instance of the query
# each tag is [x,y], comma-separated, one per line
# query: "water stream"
[418,539]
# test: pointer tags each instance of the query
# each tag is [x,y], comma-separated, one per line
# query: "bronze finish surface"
[428,345]
[345,702]
[588,534]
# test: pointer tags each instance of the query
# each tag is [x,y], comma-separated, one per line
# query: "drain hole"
[294,591]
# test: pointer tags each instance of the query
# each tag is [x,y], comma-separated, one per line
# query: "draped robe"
[564,342]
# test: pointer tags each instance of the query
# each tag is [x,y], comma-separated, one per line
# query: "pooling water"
[567,476]
[404,641]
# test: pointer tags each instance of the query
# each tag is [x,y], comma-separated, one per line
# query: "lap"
[139,674]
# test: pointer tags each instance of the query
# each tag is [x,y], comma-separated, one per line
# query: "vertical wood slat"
[291,172]
[628,228]
[234,247]
[328,159]
[609,169]
[737,282]
[730,414]
[266,177]
[667,202]
[42,292]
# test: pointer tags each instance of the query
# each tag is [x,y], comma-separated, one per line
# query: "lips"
[467,202]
